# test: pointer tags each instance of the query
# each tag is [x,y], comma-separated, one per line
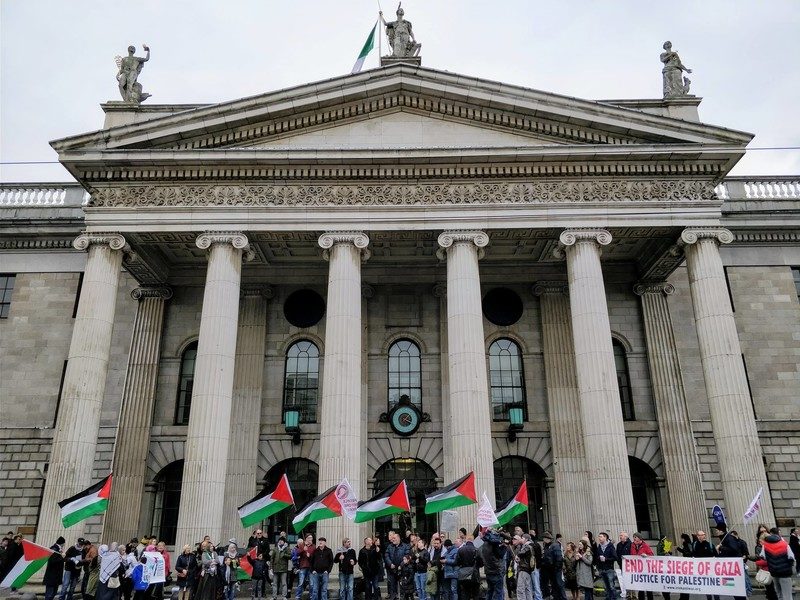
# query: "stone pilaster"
[440,292]
[470,413]
[608,472]
[206,451]
[248,379]
[341,421]
[678,451]
[566,429]
[136,414]
[75,437]
[741,467]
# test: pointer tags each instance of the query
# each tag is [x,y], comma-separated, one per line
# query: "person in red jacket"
[780,560]
[641,548]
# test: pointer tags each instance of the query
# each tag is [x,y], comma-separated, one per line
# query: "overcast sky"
[58,57]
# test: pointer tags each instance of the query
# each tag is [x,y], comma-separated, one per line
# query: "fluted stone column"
[248,379]
[566,429]
[681,467]
[440,292]
[206,451]
[341,421]
[136,414]
[470,412]
[608,472]
[741,467]
[75,438]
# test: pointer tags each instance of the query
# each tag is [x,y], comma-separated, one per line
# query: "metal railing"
[42,194]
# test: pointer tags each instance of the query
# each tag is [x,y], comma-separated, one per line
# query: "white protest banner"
[154,569]
[754,508]
[347,498]
[715,576]
[486,516]
[449,521]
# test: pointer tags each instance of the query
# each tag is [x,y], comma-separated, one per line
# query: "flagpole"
[380,34]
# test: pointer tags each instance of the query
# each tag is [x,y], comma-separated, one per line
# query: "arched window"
[506,379]
[405,373]
[167,501]
[301,380]
[420,480]
[303,476]
[185,385]
[623,380]
[509,473]
[646,505]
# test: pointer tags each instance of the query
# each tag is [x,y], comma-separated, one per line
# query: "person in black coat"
[369,559]
[54,571]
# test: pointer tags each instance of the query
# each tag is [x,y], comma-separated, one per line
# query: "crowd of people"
[514,564]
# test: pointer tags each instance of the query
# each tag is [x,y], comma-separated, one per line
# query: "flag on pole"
[392,500]
[516,505]
[754,508]
[267,503]
[244,571]
[459,493]
[486,516]
[324,506]
[719,516]
[368,46]
[91,501]
[347,499]
[33,558]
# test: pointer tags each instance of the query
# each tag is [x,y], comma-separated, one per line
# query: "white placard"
[154,569]
[347,498]
[449,521]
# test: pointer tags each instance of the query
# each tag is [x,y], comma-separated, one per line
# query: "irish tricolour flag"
[33,558]
[91,501]
[459,493]
[324,506]
[516,505]
[368,46]
[267,503]
[392,500]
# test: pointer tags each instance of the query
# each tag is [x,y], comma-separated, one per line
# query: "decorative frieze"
[410,194]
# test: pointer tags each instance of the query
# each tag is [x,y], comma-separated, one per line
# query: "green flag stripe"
[369,44]
[263,513]
[509,513]
[85,512]
[28,572]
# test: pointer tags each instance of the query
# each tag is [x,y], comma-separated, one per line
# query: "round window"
[304,308]
[502,306]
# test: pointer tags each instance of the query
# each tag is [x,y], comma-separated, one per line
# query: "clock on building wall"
[404,418]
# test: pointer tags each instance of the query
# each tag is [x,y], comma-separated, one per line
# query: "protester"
[449,560]
[230,563]
[185,572]
[525,564]
[139,581]
[686,545]
[761,563]
[346,559]
[584,571]
[468,564]
[492,554]
[794,545]
[406,577]
[280,559]
[369,561]
[641,548]
[606,557]
[552,569]
[780,561]
[54,571]
[88,557]
[393,558]
[208,584]
[305,550]
[420,563]
[571,570]
[321,565]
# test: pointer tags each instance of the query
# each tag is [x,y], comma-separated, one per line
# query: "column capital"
[545,288]
[448,238]
[113,240]
[367,291]
[653,287]
[264,291]
[691,235]
[359,239]
[440,290]
[236,239]
[570,237]
[152,291]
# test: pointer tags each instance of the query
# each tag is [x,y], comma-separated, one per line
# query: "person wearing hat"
[54,571]
[552,569]
[72,570]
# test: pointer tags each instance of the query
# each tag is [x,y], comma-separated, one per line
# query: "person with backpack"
[492,553]
[468,563]
[140,582]
[525,566]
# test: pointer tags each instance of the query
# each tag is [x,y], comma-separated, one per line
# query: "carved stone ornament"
[358,238]
[570,237]
[163,292]
[263,291]
[235,238]
[448,238]
[653,287]
[440,290]
[113,240]
[426,194]
[692,235]
[543,288]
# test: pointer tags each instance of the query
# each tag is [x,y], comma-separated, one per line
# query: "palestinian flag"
[266,503]
[324,506]
[91,501]
[368,46]
[392,500]
[516,505]
[244,571]
[460,493]
[33,558]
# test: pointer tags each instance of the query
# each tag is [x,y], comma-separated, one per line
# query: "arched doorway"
[303,477]
[167,502]
[646,504]
[420,480]
[509,473]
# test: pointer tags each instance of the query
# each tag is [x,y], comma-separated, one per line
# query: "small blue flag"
[719,516]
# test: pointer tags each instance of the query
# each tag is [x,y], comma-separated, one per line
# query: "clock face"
[404,420]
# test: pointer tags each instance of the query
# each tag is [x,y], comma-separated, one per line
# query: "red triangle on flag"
[332,502]
[282,492]
[31,551]
[522,494]
[399,497]
[467,487]
[105,491]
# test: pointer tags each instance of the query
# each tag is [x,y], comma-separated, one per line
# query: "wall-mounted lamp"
[291,420]
[515,417]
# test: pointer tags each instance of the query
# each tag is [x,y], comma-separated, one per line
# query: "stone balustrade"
[746,188]
[42,194]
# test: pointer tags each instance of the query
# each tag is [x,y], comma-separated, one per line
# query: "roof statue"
[675,85]
[401,37]
[128,74]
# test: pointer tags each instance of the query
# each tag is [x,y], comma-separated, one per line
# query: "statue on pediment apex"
[128,70]
[675,84]
[401,37]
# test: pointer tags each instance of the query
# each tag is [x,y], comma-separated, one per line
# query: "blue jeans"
[302,575]
[419,583]
[345,586]
[449,589]
[391,584]
[494,587]
[68,585]
[371,591]
[319,586]
[230,591]
[537,587]
[609,578]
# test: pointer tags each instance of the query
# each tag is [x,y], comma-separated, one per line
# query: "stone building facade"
[474,246]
